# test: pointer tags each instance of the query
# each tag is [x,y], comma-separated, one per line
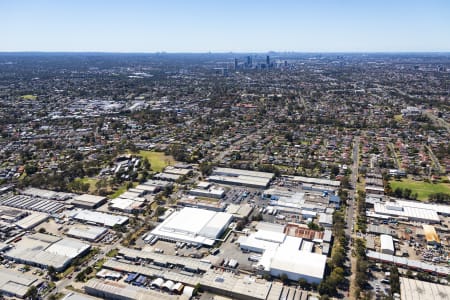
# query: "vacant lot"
[158,160]
[423,189]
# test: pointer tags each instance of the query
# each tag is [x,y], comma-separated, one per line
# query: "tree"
[42,230]
[32,293]
[304,284]
[51,273]
[284,278]
[30,169]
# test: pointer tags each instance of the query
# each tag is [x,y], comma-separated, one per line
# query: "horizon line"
[228,52]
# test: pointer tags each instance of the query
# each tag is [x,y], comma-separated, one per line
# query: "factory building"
[283,254]
[88,201]
[193,225]
[87,232]
[15,284]
[241,177]
[43,250]
[94,217]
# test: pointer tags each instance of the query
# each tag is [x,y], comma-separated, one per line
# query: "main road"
[351,214]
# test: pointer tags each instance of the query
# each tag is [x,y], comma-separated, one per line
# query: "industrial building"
[403,262]
[387,244]
[88,201]
[77,296]
[87,232]
[31,203]
[47,194]
[192,201]
[106,289]
[241,177]
[408,210]
[215,281]
[422,290]
[240,211]
[193,225]
[211,192]
[43,250]
[313,181]
[94,217]
[128,205]
[16,284]
[282,254]
[32,220]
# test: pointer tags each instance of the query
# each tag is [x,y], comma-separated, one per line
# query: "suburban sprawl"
[278,176]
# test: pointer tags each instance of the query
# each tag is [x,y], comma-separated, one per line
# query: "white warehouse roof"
[86,232]
[98,217]
[193,225]
[387,244]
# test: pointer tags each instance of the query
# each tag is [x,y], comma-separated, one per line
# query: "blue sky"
[226,25]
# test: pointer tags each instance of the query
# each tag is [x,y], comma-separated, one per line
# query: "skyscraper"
[235,63]
[249,61]
[268,61]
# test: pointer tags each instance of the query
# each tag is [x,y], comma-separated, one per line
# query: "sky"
[225,26]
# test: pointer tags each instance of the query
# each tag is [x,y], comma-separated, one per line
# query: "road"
[351,214]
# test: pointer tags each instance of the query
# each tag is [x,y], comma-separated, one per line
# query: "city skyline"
[202,26]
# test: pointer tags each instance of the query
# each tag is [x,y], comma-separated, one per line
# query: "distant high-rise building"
[268,61]
[249,61]
[235,63]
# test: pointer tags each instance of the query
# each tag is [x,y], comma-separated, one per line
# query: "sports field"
[158,160]
[422,188]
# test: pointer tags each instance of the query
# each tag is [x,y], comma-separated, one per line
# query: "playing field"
[29,97]
[158,160]
[423,189]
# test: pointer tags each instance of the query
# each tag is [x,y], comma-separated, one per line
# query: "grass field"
[29,97]
[423,189]
[398,117]
[158,160]
[91,181]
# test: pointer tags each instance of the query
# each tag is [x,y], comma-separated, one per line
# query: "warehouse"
[147,189]
[387,244]
[404,209]
[240,211]
[15,284]
[298,264]
[45,250]
[193,225]
[314,181]
[88,201]
[120,291]
[285,255]
[32,220]
[98,218]
[192,201]
[211,192]
[77,296]
[127,205]
[222,283]
[87,232]
[47,194]
[241,177]
[416,289]
[11,215]
[31,203]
